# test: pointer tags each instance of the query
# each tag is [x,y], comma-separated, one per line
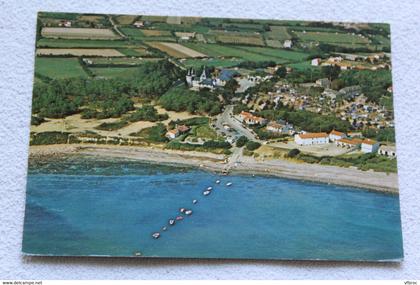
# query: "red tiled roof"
[313,135]
[369,141]
[337,133]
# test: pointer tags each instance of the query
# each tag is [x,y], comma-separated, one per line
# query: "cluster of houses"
[280,126]
[352,61]
[205,80]
[341,140]
[177,131]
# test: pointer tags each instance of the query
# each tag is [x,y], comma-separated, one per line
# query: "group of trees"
[309,121]
[102,98]
[180,99]
[374,84]
[386,134]
[147,113]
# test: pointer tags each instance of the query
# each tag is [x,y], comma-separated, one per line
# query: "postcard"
[194,137]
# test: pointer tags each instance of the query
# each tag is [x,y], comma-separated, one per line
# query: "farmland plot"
[79,52]
[176,50]
[59,67]
[278,33]
[78,33]
[332,37]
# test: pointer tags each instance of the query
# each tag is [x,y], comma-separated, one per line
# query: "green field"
[278,33]
[112,72]
[133,52]
[137,34]
[246,52]
[278,53]
[62,43]
[331,37]
[220,63]
[59,67]
[119,60]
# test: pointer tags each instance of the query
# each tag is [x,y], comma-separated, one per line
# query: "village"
[348,104]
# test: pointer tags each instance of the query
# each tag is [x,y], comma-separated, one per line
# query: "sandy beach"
[376,181]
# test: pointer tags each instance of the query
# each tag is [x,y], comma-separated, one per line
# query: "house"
[288,44]
[280,127]
[387,150]
[204,81]
[336,135]
[250,119]
[138,24]
[274,127]
[316,61]
[323,82]
[224,76]
[311,138]
[182,129]
[350,92]
[349,143]
[369,146]
[185,35]
[171,134]
[65,23]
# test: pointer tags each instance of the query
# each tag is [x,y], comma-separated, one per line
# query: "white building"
[288,44]
[316,61]
[369,146]
[387,150]
[172,134]
[311,138]
[251,119]
[336,135]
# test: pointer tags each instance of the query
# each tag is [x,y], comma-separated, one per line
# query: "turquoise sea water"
[86,206]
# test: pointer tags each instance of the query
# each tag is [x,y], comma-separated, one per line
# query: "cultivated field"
[79,52]
[274,43]
[120,60]
[59,67]
[332,37]
[111,72]
[248,53]
[155,33]
[75,43]
[138,34]
[278,33]
[176,50]
[238,38]
[125,19]
[78,33]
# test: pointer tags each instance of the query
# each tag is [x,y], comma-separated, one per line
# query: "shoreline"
[367,180]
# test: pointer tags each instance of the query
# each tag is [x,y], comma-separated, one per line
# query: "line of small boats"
[185,211]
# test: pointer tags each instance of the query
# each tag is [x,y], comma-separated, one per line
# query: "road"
[237,130]
[116,27]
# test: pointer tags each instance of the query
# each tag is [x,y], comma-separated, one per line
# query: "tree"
[251,145]
[293,153]
[281,72]
[331,72]
[242,140]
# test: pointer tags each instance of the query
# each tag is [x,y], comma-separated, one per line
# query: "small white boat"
[171,222]
[229,184]
[179,218]
[207,192]
[182,210]
[209,188]
[137,253]
[164,228]
[188,212]
[217,181]
[194,201]
[156,235]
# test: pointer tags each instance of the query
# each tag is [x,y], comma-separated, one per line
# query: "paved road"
[237,129]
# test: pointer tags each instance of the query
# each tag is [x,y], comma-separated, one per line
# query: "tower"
[190,76]
[203,75]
